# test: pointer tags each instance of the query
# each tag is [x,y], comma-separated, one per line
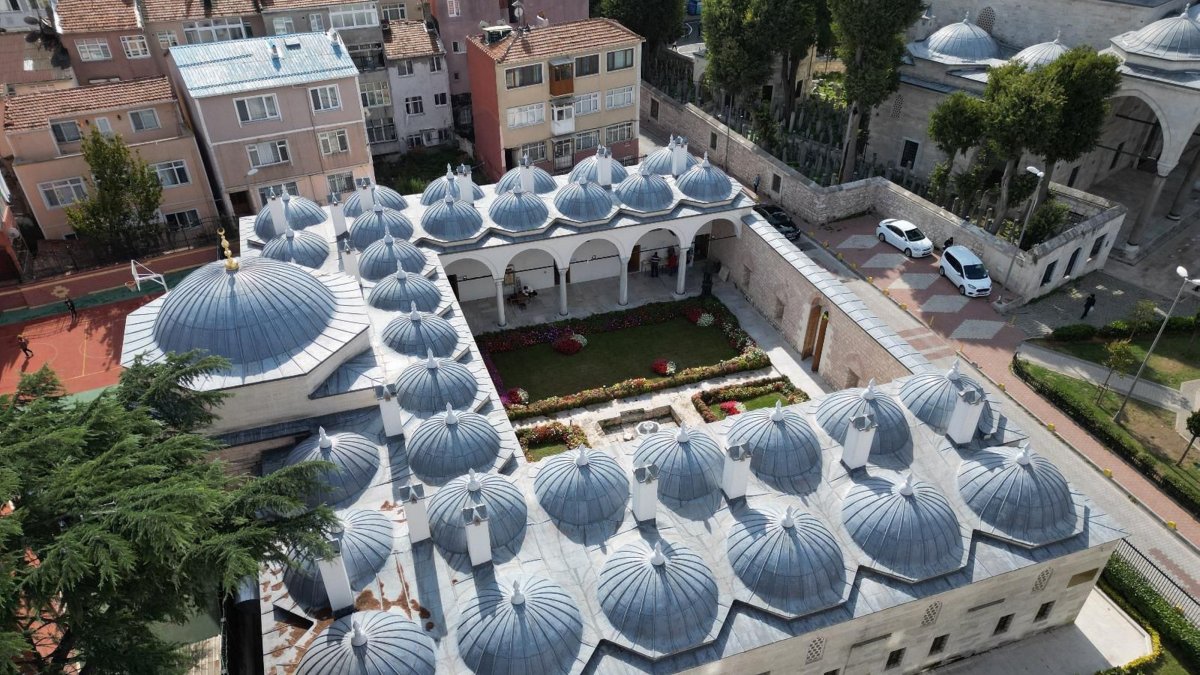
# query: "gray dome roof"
[372,225]
[1041,54]
[542,181]
[581,486]
[1173,38]
[451,220]
[964,42]
[388,643]
[782,445]
[266,309]
[788,559]
[366,543]
[1020,494]
[385,196]
[437,190]
[503,501]
[931,396]
[449,444]
[705,183]
[587,169]
[908,528]
[583,201]
[400,291]
[663,598]
[387,255]
[689,462]
[303,248]
[355,460]
[645,191]
[529,628]
[659,161]
[838,409]
[418,333]
[301,213]
[429,385]
[518,211]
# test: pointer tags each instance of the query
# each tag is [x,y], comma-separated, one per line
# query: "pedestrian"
[654,260]
[1088,305]
[757,182]
[23,343]
[71,306]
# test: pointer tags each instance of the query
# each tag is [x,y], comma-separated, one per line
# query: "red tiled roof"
[280,5]
[89,16]
[177,10]
[410,40]
[563,38]
[31,111]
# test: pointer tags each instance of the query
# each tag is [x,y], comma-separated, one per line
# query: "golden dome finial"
[230,263]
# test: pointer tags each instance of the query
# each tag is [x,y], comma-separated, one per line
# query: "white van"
[965,270]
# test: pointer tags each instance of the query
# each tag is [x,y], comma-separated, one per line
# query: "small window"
[587,65]
[816,651]
[1082,578]
[1003,624]
[167,39]
[65,132]
[381,130]
[908,157]
[586,104]
[1044,611]
[341,183]
[586,140]
[895,658]
[404,68]
[1039,584]
[523,76]
[333,142]
[526,115]
[172,174]
[374,94]
[265,192]
[257,108]
[897,106]
[776,182]
[325,98]
[144,120]
[413,105]
[441,99]
[283,25]
[93,49]
[182,220]
[931,613]
[712,139]
[135,46]
[618,133]
[436,64]
[535,151]
[620,59]
[1097,246]
[316,23]
[104,126]
[268,153]
[456,48]
[356,15]
[60,193]
[620,97]
[454,7]
[397,12]
[415,141]
[216,29]
[939,644]
[653,109]
[1048,276]
[987,19]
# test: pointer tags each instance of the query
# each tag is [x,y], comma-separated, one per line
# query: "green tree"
[957,125]
[164,389]
[1046,223]
[766,129]
[739,58]
[1119,358]
[659,21]
[870,40]
[1193,427]
[130,523]
[1142,317]
[795,30]
[123,195]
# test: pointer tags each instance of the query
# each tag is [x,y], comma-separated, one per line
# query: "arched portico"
[599,258]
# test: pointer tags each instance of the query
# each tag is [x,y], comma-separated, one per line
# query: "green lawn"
[539,452]
[413,171]
[611,357]
[1176,358]
[764,401]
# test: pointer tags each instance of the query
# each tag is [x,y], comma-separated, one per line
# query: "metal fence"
[1162,582]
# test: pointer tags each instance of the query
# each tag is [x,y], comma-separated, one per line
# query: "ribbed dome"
[266,309]
[908,527]
[1041,54]
[1019,493]
[303,248]
[518,211]
[529,628]
[451,220]
[1174,38]
[586,169]
[429,385]
[705,183]
[689,462]
[663,598]
[788,559]
[370,227]
[400,291]
[782,445]
[659,162]
[449,444]
[384,196]
[838,409]
[581,486]
[365,544]
[963,42]
[301,213]
[386,255]
[542,181]
[437,190]
[355,460]
[504,503]
[418,333]
[370,643]
[645,191]
[583,201]
[931,396]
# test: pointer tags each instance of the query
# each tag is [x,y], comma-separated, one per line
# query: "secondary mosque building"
[885,527]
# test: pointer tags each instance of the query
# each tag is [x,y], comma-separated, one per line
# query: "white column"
[623,298]
[500,301]
[562,289]
[681,270]
[1148,205]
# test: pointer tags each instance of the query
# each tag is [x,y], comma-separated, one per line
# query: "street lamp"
[1028,216]
[1183,274]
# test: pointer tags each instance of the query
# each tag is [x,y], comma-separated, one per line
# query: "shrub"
[705,320]
[1173,626]
[704,400]
[1181,324]
[567,345]
[1075,332]
[552,432]
[663,367]
[517,396]
[1118,328]
[732,407]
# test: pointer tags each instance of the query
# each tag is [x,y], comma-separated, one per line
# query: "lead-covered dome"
[382,196]
[542,181]
[689,462]
[782,445]
[529,628]
[931,396]
[788,559]
[451,184]
[1175,38]
[962,42]
[662,598]
[365,542]
[645,191]
[907,528]
[400,291]
[705,183]
[450,444]
[389,255]
[370,643]
[371,226]
[503,502]
[581,486]
[264,309]
[586,169]
[583,201]
[420,333]
[1041,54]
[1020,494]
[835,413]
[660,162]
[451,220]
[355,460]
[428,386]
[303,248]
[298,211]
[519,211]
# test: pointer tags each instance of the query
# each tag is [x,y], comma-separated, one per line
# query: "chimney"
[679,156]
[645,492]
[964,419]
[603,167]
[274,50]
[349,259]
[526,175]
[389,410]
[278,219]
[339,215]
[466,184]
[735,476]
[861,434]
[479,544]
[335,577]
[367,196]
[413,496]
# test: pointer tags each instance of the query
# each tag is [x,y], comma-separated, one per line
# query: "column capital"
[499,280]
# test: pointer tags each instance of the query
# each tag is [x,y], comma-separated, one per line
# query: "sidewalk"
[1154,394]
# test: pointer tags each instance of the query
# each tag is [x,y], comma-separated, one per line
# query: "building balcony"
[15,20]
[562,81]
[367,58]
[562,119]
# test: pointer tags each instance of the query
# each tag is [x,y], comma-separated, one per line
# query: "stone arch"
[661,240]
[987,19]
[1170,134]
[533,267]
[595,258]
[470,278]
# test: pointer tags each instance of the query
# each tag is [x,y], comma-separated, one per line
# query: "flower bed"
[704,401]
[569,343]
[1130,587]
[663,367]
[553,436]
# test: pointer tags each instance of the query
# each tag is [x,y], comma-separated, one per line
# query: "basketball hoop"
[142,273]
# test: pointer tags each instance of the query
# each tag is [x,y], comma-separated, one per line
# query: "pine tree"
[119,213]
[659,21]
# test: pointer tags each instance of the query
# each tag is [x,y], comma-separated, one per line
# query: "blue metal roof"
[531,627]
[418,333]
[355,460]
[645,191]
[388,256]
[705,183]
[581,486]
[518,211]
[451,220]
[236,66]
[782,445]
[542,181]
[1020,494]
[303,248]
[439,188]
[298,211]
[1041,54]
[587,169]
[908,528]
[1175,38]
[584,201]
[689,462]
[931,396]
[503,502]
[371,226]
[383,196]
[388,644]
[963,42]
[429,385]
[365,544]
[400,291]
[659,162]
[449,444]
[838,409]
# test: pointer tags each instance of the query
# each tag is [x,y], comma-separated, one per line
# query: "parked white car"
[904,236]
[965,270]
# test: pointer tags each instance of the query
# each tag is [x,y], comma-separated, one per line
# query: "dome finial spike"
[451,415]
[658,558]
[581,460]
[358,635]
[430,362]
[1058,31]
[518,598]
[325,442]
[473,481]
[231,264]
[1025,456]
[967,16]
[953,373]
[413,314]
[683,435]
[906,488]
[449,170]
[777,414]
[869,393]
[789,518]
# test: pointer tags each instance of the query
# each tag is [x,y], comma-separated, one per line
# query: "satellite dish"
[483,25]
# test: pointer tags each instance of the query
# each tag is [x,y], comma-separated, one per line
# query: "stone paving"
[1115,299]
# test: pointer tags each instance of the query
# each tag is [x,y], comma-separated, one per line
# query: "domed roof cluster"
[1041,54]
[380,195]
[583,201]
[782,445]
[451,184]
[388,256]
[1175,38]
[689,462]
[836,412]
[298,211]
[581,486]
[907,528]
[420,334]
[1020,494]
[705,183]
[303,248]
[371,227]
[511,180]
[450,444]
[528,627]
[365,542]
[503,501]
[355,460]
[430,385]
[402,290]
[452,220]
[645,191]
[962,42]
[931,396]
[788,559]
[370,643]
[585,169]
[519,211]
[661,162]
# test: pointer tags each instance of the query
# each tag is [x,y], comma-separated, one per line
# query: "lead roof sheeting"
[427,390]
[584,202]
[301,213]
[519,211]
[913,536]
[835,412]
[645,192]
[581,494]
[398,292]
[365,543]
[370,227]
[303,248]
[384,196]
[452,221]
[438,452]
[427,333]
[586,168]
[386,255]
[355,460]
[688,470]
[1030,503]
[505,506]
[962,42]
[395,646]
[542,181]
[541,635]
[781,450]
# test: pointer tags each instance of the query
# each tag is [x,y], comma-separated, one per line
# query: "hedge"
[704,400]
[552,432]
[1074,332]
[1172,625]
[1123,329]
[1111,434]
